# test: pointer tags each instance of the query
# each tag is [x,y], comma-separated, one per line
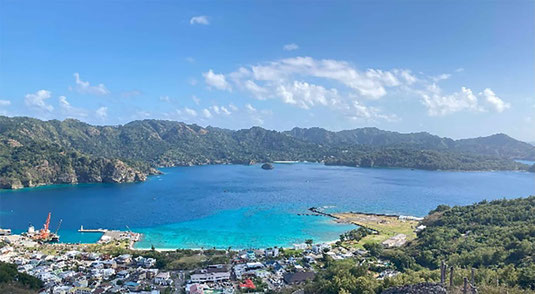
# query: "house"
[301,246]
[132,286]
[318,248]
[217,268]
[80,290]
[163,278]
[61,289]
[124,259]
[254,265]
[278,268]
[80,282]
[145,262]
[420,228]
[123,274]
[271,252]
[196,288]
[110,263]
[210,277]
[389,273]
[298,277]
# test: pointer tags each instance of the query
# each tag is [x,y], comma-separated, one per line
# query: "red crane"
[44,232]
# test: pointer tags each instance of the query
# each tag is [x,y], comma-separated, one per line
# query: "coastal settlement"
[114,266]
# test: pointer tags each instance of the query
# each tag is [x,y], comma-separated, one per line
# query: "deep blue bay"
[244,206]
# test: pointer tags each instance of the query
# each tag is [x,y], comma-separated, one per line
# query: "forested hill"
[496,239]
[35,152]
[499,145]
[499,234]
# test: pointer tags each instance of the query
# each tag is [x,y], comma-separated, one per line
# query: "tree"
[375,249]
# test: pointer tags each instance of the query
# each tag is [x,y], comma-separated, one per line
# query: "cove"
[245,206]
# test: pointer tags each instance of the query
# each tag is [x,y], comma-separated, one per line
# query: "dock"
[113,235]
[82,230]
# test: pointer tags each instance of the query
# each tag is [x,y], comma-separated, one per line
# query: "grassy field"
[386,227]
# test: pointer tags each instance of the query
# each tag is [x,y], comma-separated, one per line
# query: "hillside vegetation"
[496,238]
[12,281]
[35,152]
[495,234]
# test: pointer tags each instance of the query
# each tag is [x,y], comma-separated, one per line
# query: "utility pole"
[451,277]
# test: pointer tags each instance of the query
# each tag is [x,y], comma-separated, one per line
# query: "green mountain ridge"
[35,152]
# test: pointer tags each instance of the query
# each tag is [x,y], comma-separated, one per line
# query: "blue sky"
[453,68]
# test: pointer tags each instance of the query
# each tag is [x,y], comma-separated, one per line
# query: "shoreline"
[134,237]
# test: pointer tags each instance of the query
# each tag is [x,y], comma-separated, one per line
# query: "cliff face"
[45,164]
[99,171]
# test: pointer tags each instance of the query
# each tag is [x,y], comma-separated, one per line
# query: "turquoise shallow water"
[244,206]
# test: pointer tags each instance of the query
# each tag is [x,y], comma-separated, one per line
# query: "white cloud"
[439,104]
[233,107]
[225,111]
[367,84]
[407,76]
[86,88]
[206,113]
[102,112]
[165,98]
[290,47]
[64,103]
[496,102]
[195,99]
[257,91]
[306,82]
[215,109]
[190,111]
[70,110]
[460,69]
[306,95]
[217,81]
[37,100]
[133,93]
[5,102]
[441,77]
[201,19]
[339,86]
[250,108]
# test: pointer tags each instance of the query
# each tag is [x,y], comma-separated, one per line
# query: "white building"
[210,277]
[163,278]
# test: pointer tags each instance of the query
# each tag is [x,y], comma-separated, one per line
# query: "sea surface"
[242,206]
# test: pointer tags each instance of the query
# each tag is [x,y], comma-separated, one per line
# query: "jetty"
[389,229]
[113,235]
[83,230]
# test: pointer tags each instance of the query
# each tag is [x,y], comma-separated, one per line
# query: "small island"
[267,166]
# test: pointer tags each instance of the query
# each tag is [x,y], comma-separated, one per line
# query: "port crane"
[44,232]
[44,235]
[59,225]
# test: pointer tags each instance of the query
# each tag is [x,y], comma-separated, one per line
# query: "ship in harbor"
[44,235]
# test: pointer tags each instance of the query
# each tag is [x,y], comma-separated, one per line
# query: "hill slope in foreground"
[496,239]
[35,152]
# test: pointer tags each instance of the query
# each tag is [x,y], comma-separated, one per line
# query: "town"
[75,269]
[375,257]
[113,266]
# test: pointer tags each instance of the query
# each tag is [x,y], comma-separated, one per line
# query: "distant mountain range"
[499,145]
[35,152]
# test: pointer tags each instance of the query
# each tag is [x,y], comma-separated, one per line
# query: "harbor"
[109,236]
